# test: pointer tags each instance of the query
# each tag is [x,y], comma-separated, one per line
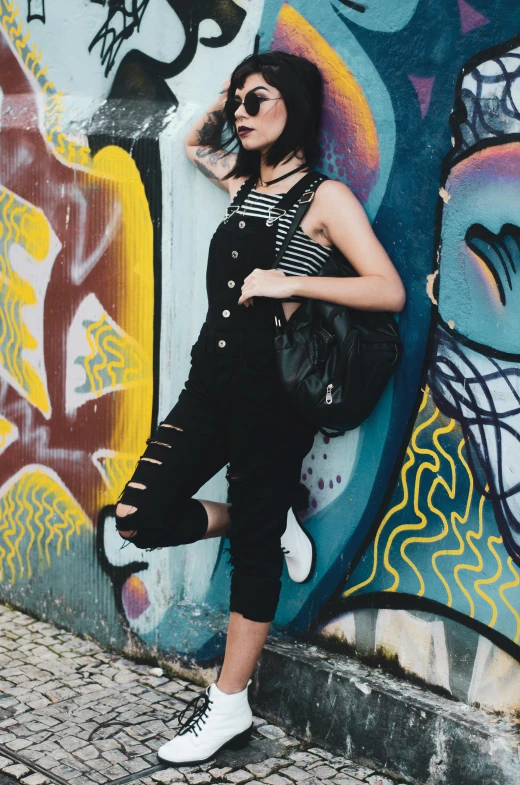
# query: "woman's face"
[264,128]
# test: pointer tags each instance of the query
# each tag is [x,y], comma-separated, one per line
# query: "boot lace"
[199,707]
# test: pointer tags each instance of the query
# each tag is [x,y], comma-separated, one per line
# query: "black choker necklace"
[270,182]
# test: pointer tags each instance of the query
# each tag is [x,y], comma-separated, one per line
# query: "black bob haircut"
[300,84]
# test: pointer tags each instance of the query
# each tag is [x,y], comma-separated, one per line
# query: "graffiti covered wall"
[415,514]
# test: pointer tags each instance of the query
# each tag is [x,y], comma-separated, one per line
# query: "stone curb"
[389,724]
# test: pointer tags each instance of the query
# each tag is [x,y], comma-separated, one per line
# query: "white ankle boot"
[217,721]
[299,550]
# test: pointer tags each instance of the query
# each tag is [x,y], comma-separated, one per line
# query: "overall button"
[241,224]
[231,284]
[225,314]
[221,344]
[234,254]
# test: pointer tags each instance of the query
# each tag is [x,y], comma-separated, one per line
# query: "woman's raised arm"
[203,136]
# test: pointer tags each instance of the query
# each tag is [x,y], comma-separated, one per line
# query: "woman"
[233,409]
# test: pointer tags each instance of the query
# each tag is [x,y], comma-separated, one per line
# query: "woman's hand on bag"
[265,283]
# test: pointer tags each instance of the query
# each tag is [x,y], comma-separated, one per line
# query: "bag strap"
[304,202]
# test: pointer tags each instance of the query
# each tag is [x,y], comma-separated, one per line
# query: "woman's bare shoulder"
[329,190]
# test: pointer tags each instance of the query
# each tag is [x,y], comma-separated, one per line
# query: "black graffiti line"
[479,232]
[459,119]
[498,78]
[499,244]
[506,377]
[492,419]
[507,93]
[477,113]
[482,380]
[400,601]
[499,250]
[478,412]
[459,414]
[491,377]
[355,6]
[36,15]
[110,50]
[507,252]
[507,79]
[226,13]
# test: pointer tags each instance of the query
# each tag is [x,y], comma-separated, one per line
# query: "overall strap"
[294,194]
[304,196]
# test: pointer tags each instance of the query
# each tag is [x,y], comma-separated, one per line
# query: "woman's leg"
[268,443]
[245,640]
[219,522]
[157,508]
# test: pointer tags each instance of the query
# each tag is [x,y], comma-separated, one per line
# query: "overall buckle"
[309,194]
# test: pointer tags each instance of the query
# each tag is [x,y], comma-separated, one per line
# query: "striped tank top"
[303,255]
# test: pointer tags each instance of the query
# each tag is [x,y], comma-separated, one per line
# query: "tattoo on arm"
[224,160]
[211,130]
[205,171]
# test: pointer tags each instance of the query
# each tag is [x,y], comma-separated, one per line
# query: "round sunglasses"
[251,102]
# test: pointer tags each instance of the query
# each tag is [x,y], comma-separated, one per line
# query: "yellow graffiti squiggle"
[510,585]
[27,227]
[402,504]
[434,467]
[35,504]
[114,361]
[470,536]
[494,578]
[454,491]
[453,517]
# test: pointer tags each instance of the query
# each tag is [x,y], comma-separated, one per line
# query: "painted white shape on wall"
[327,469]
[420,645]
[37,275]
[66,37]
[342,629]
[172,576]
[79,350]
[495,682]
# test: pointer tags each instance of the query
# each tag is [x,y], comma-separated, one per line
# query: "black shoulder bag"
[334,361]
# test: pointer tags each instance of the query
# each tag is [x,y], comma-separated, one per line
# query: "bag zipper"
[330,387]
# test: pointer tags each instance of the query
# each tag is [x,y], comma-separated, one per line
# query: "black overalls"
[231,411]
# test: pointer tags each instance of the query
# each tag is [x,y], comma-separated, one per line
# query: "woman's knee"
[176,524]
[124,520]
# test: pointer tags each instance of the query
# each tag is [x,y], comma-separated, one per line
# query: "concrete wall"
[104,229]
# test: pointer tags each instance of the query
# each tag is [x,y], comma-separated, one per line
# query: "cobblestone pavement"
[73,713]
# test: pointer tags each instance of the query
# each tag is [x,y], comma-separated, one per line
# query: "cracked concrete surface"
[71,712]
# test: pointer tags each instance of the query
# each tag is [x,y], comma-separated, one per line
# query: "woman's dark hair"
[300,84]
